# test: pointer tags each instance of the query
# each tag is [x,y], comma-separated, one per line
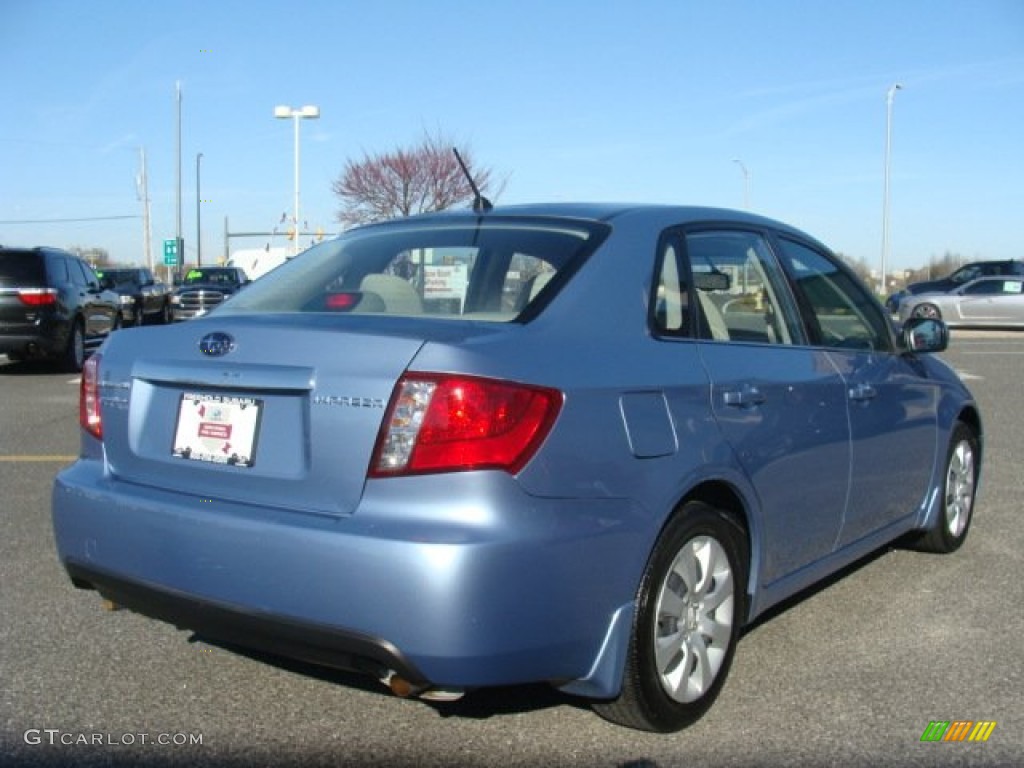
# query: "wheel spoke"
[686,569]
[722,590]
[718,632]
[669,652]
[703,672]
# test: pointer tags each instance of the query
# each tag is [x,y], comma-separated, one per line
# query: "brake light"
[341,302]
[448,423]
[38,297]
[89,415]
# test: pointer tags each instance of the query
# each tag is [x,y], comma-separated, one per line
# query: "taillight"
[449,423]
[38,297]
[89,398]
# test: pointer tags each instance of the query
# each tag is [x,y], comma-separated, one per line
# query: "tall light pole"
[179,240]
[889,97]
[296,114]
[199,228]
[746,184]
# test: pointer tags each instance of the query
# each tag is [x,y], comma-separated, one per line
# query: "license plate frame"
[216,428]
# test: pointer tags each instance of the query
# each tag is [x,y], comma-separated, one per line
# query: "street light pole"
[889,97]
[199,228]
[296,115]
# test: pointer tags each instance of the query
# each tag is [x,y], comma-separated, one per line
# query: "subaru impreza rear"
[366,460]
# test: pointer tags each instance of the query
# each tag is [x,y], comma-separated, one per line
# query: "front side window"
[497,270]
[840,311]
[993,288]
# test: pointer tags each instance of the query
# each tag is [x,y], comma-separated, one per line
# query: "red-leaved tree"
[407,181]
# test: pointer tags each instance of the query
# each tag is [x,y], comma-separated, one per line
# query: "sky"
[776,105]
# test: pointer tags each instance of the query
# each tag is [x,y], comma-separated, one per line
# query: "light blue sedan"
[580,444]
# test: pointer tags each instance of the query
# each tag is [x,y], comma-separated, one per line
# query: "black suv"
[142,295]
[203,288]
[965,274]
[52,305]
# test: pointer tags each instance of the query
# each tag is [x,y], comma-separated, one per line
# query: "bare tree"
[406,181]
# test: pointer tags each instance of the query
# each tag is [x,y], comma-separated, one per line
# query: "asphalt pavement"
[851,674]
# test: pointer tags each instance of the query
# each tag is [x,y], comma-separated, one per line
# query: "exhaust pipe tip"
[401,687]
[404,689]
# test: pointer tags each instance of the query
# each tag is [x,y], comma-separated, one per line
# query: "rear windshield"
[122,276]
[492,271]
[18,268]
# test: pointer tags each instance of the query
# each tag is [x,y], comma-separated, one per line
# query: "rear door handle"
[863,392]
[747,397]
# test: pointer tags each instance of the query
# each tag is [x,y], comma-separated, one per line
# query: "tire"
[929,311]
[74,353]
[690,608]
[959,484]
[165,314]
[118,323]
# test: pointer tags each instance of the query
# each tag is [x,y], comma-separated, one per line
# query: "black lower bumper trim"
[312,643]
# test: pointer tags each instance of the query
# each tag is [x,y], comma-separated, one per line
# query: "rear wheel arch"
[691,604]
[730,502]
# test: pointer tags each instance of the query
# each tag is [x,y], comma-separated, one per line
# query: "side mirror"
[922,334]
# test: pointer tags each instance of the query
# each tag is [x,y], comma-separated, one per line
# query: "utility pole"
[142,191]
[199,228]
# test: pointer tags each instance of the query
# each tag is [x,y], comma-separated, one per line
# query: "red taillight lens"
[341,302]
[38,297]
[441,423]
[89,398]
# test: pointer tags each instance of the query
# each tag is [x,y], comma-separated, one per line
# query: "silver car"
[985,302]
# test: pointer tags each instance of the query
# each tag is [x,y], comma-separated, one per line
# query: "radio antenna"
[480,203]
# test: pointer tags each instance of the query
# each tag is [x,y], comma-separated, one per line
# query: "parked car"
[991,302]
[963,275]
[581,444]
[203,288]
[142,295]
[52,306]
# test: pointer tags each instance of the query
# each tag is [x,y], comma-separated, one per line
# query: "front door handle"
[747,397]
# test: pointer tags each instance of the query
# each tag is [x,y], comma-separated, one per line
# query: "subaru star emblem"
[216,344]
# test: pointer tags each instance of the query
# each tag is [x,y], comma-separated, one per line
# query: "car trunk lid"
[285,416]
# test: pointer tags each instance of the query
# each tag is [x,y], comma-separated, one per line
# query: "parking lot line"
[36,458]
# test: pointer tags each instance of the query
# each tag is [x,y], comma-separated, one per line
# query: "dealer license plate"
[222,429]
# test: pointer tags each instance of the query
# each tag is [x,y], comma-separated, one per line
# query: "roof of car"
[657,214]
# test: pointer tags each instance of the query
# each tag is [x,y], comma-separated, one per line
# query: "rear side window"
[497,271]
[21,268]
[81,274]
[739,289]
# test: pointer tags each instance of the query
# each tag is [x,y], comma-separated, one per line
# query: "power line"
[68,221]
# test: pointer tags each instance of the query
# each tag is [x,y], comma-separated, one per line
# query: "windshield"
[491,270]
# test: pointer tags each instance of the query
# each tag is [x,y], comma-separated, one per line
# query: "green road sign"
[170,252]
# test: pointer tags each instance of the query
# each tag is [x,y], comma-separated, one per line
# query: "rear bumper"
[32,345]
[308,642]
[463,583]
